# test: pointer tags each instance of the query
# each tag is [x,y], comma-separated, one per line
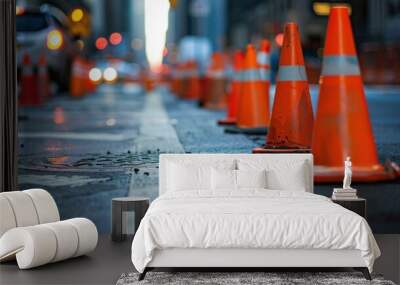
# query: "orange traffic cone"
[192,91]
[77,82]
[292,118]
[29,95]
[216,96]
[204,89]
[342,125]
[185,74]
[174,79]
[233,97]
[253,113]
[43,84]
[180,77]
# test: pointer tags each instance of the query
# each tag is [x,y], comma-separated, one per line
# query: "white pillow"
[292,180]
[281,174]
[226,179]
[251,178]
[223,179]
[182,177]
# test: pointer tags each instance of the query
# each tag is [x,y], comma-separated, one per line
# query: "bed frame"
[242,259]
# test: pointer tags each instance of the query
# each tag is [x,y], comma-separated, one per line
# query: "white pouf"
[31,232]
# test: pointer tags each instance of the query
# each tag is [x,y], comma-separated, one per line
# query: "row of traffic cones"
[248,99]
[342,126]
[35,87]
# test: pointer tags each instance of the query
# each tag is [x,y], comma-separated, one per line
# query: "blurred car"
[114,70]
[46,30]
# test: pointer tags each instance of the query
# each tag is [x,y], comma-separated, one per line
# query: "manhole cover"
[123,162]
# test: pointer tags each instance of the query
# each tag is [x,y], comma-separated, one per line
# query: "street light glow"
[115,38]
[156,26]
[323,8]
[77,15]
[101,43]
[54,40]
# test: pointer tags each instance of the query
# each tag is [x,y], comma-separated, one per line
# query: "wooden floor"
[110,260]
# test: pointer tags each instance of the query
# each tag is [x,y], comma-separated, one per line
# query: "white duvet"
[250,219]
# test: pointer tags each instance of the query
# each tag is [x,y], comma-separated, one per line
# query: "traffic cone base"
[254,131]
[375,173]
[215,98]
[227,121]
[233,129]
[272,149]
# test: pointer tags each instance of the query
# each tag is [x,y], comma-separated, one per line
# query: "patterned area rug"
[243,278]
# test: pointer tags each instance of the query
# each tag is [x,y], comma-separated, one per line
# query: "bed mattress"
[250,219]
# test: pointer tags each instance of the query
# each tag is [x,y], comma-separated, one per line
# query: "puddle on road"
[109,162]
[59,180]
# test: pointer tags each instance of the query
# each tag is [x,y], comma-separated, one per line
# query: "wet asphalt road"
[88,150]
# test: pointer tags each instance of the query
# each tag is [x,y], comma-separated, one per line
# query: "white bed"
[248,227]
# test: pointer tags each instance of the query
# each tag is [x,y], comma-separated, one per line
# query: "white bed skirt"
[189,257]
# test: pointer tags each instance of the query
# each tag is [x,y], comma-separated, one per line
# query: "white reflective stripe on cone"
[78,69]
[178,74]
[340,65]
[238,76]
[191,73]
[216,74]
[184,74]
[265,74]
[263,58]
[27,70]
[250,75]
[292,73]
[42,70]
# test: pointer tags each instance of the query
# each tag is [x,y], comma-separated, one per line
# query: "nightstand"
[127,212]
[358,206]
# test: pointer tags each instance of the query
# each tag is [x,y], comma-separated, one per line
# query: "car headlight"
[95,74]
[54,40]
[110,74]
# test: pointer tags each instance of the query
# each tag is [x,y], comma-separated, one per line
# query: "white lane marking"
[156,131]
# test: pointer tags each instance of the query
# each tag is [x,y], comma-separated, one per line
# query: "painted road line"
[156,132]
